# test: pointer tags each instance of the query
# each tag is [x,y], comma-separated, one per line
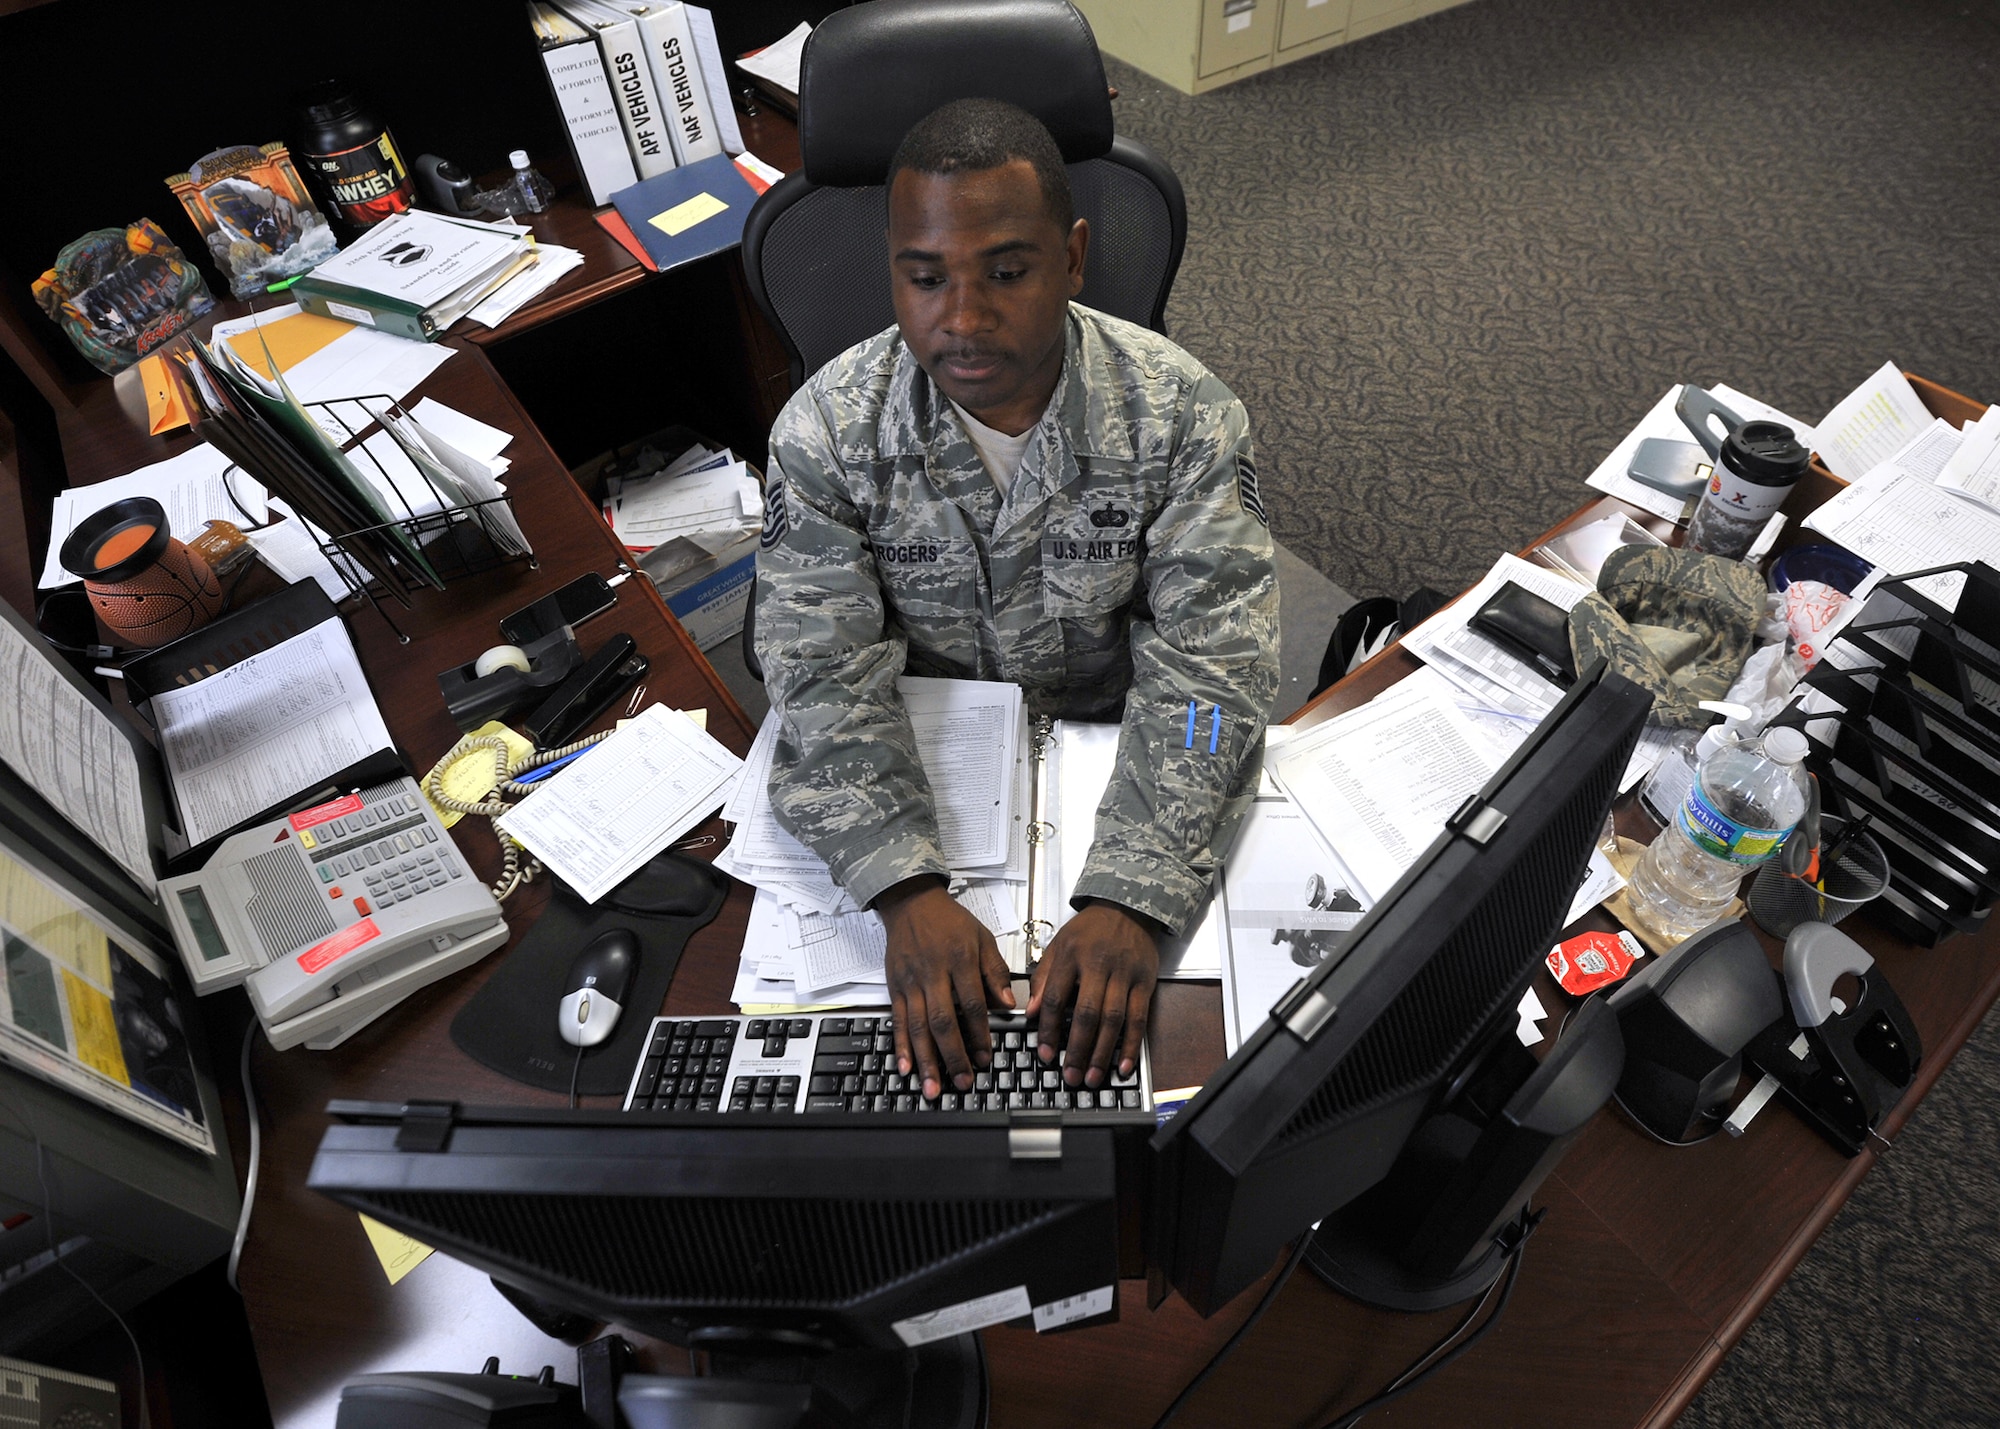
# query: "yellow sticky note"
[683,216]
[398,1253]
[470,777]
[96,1029]
[291,340]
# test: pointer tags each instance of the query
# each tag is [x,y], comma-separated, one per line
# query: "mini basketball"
[146,586]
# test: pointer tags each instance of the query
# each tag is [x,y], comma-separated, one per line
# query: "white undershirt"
[1001,453]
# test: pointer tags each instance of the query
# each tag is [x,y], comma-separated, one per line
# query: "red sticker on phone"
[1589,961]
[340,944]
[321,813]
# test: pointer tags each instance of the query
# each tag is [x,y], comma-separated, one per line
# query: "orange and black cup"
[146,586]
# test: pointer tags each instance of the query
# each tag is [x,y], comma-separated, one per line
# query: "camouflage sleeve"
[1211,644]
[846,779]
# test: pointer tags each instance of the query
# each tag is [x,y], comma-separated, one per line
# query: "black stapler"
[1841,1068]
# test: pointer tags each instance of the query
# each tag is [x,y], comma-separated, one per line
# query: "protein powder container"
[1759,463]
[352,158]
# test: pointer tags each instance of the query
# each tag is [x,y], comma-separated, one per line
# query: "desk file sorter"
[1904,715]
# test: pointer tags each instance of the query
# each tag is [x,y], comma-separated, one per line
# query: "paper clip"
[632,705]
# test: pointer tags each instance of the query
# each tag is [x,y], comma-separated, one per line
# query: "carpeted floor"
[1448,266]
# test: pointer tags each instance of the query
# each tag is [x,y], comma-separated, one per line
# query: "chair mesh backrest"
[825,260]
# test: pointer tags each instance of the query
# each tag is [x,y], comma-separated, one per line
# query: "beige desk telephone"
[331,916]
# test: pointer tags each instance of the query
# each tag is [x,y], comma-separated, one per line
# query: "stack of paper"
[328,361]
[196,487]
[808,944]
[710,496]
[552,261]
[1379,782]
[595,822]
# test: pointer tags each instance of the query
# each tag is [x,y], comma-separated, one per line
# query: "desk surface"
[1651,1264]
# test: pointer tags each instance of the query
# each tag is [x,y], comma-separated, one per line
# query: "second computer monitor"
[1318,1103]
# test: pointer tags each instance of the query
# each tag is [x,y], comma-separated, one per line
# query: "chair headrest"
[873,70]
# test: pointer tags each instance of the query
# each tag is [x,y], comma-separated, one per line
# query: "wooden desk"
[1648,1269]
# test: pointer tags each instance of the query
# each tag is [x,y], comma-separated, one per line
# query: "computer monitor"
[1405,1025]
[753,1237]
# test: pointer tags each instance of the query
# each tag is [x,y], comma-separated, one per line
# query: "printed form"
[604,815]
[1903,523]
[267,729]
[70,753]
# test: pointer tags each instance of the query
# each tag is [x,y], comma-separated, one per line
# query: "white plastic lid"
[518,158]
[1712,739]
[1786,745]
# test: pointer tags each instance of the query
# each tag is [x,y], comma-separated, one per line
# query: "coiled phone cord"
[518,867]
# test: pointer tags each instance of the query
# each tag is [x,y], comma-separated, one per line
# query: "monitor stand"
[941,1385]
[1438,1229]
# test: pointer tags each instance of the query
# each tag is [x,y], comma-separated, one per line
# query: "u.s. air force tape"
[776,520]
[1246,488]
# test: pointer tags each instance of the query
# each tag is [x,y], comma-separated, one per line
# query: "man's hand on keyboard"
[944,970]
[1108,960]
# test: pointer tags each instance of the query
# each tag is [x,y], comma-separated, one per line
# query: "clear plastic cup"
[1780,902]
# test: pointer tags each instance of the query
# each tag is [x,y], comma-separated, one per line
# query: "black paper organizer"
[457,539]
[1912,739]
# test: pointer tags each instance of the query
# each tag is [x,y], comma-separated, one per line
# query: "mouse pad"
[510,1023]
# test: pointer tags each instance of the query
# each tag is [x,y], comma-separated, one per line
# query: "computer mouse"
[596,986]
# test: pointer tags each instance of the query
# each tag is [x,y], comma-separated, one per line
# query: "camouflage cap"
[1680,623]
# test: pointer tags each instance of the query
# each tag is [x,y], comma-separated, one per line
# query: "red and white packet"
[1589,961]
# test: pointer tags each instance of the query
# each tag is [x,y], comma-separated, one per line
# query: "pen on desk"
[1190,733]
[1214,726]
[281,286]
[551,767]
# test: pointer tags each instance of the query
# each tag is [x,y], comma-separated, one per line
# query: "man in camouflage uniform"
[1106,551]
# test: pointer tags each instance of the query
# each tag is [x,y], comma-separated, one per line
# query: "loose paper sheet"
[267,728]
[602,816]
[1871,424]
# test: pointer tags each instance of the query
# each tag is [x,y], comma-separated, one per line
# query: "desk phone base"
[330,916]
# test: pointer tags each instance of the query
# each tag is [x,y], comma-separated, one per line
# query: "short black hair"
[973,135]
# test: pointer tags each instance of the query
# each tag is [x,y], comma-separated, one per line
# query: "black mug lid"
[79,551]
[1765,452]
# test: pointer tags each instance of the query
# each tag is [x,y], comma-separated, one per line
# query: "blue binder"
[689,212]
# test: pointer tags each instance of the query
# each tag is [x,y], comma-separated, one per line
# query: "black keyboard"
[838,1062]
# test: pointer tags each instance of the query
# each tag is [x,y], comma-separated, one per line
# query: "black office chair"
[815,247]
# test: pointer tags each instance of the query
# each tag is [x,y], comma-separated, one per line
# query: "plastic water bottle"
[534,191]
[1666,788]
[1745,800]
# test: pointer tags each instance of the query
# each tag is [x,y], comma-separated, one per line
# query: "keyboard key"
[715,1027]
[788,1088]
[716,1066]
[649,1078]
[948,1101]
[885,1043]
[710,1087]
[1003,1081]
[774,1046]
[982,1081]
[766,1086]
[882,1103]
[743,1087]
[872,1083]
[1017,1101]
[674,1066]
[837,1026]
[760,1103]
[704,1103]
[822,1085]
[906,1102]
[850,1084]
[698,1047]
[756,1028]
[683,1103]
[1011,1041]
[801,1027]
[842,1064]
[739,1103]
[842,1044]
[863,1025]
[826,1103]
[996,1101]
[1107,1098]
[1051,1079]
[857,1103]
[1130,1099]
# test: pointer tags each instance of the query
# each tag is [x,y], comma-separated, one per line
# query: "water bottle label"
[1715,832]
